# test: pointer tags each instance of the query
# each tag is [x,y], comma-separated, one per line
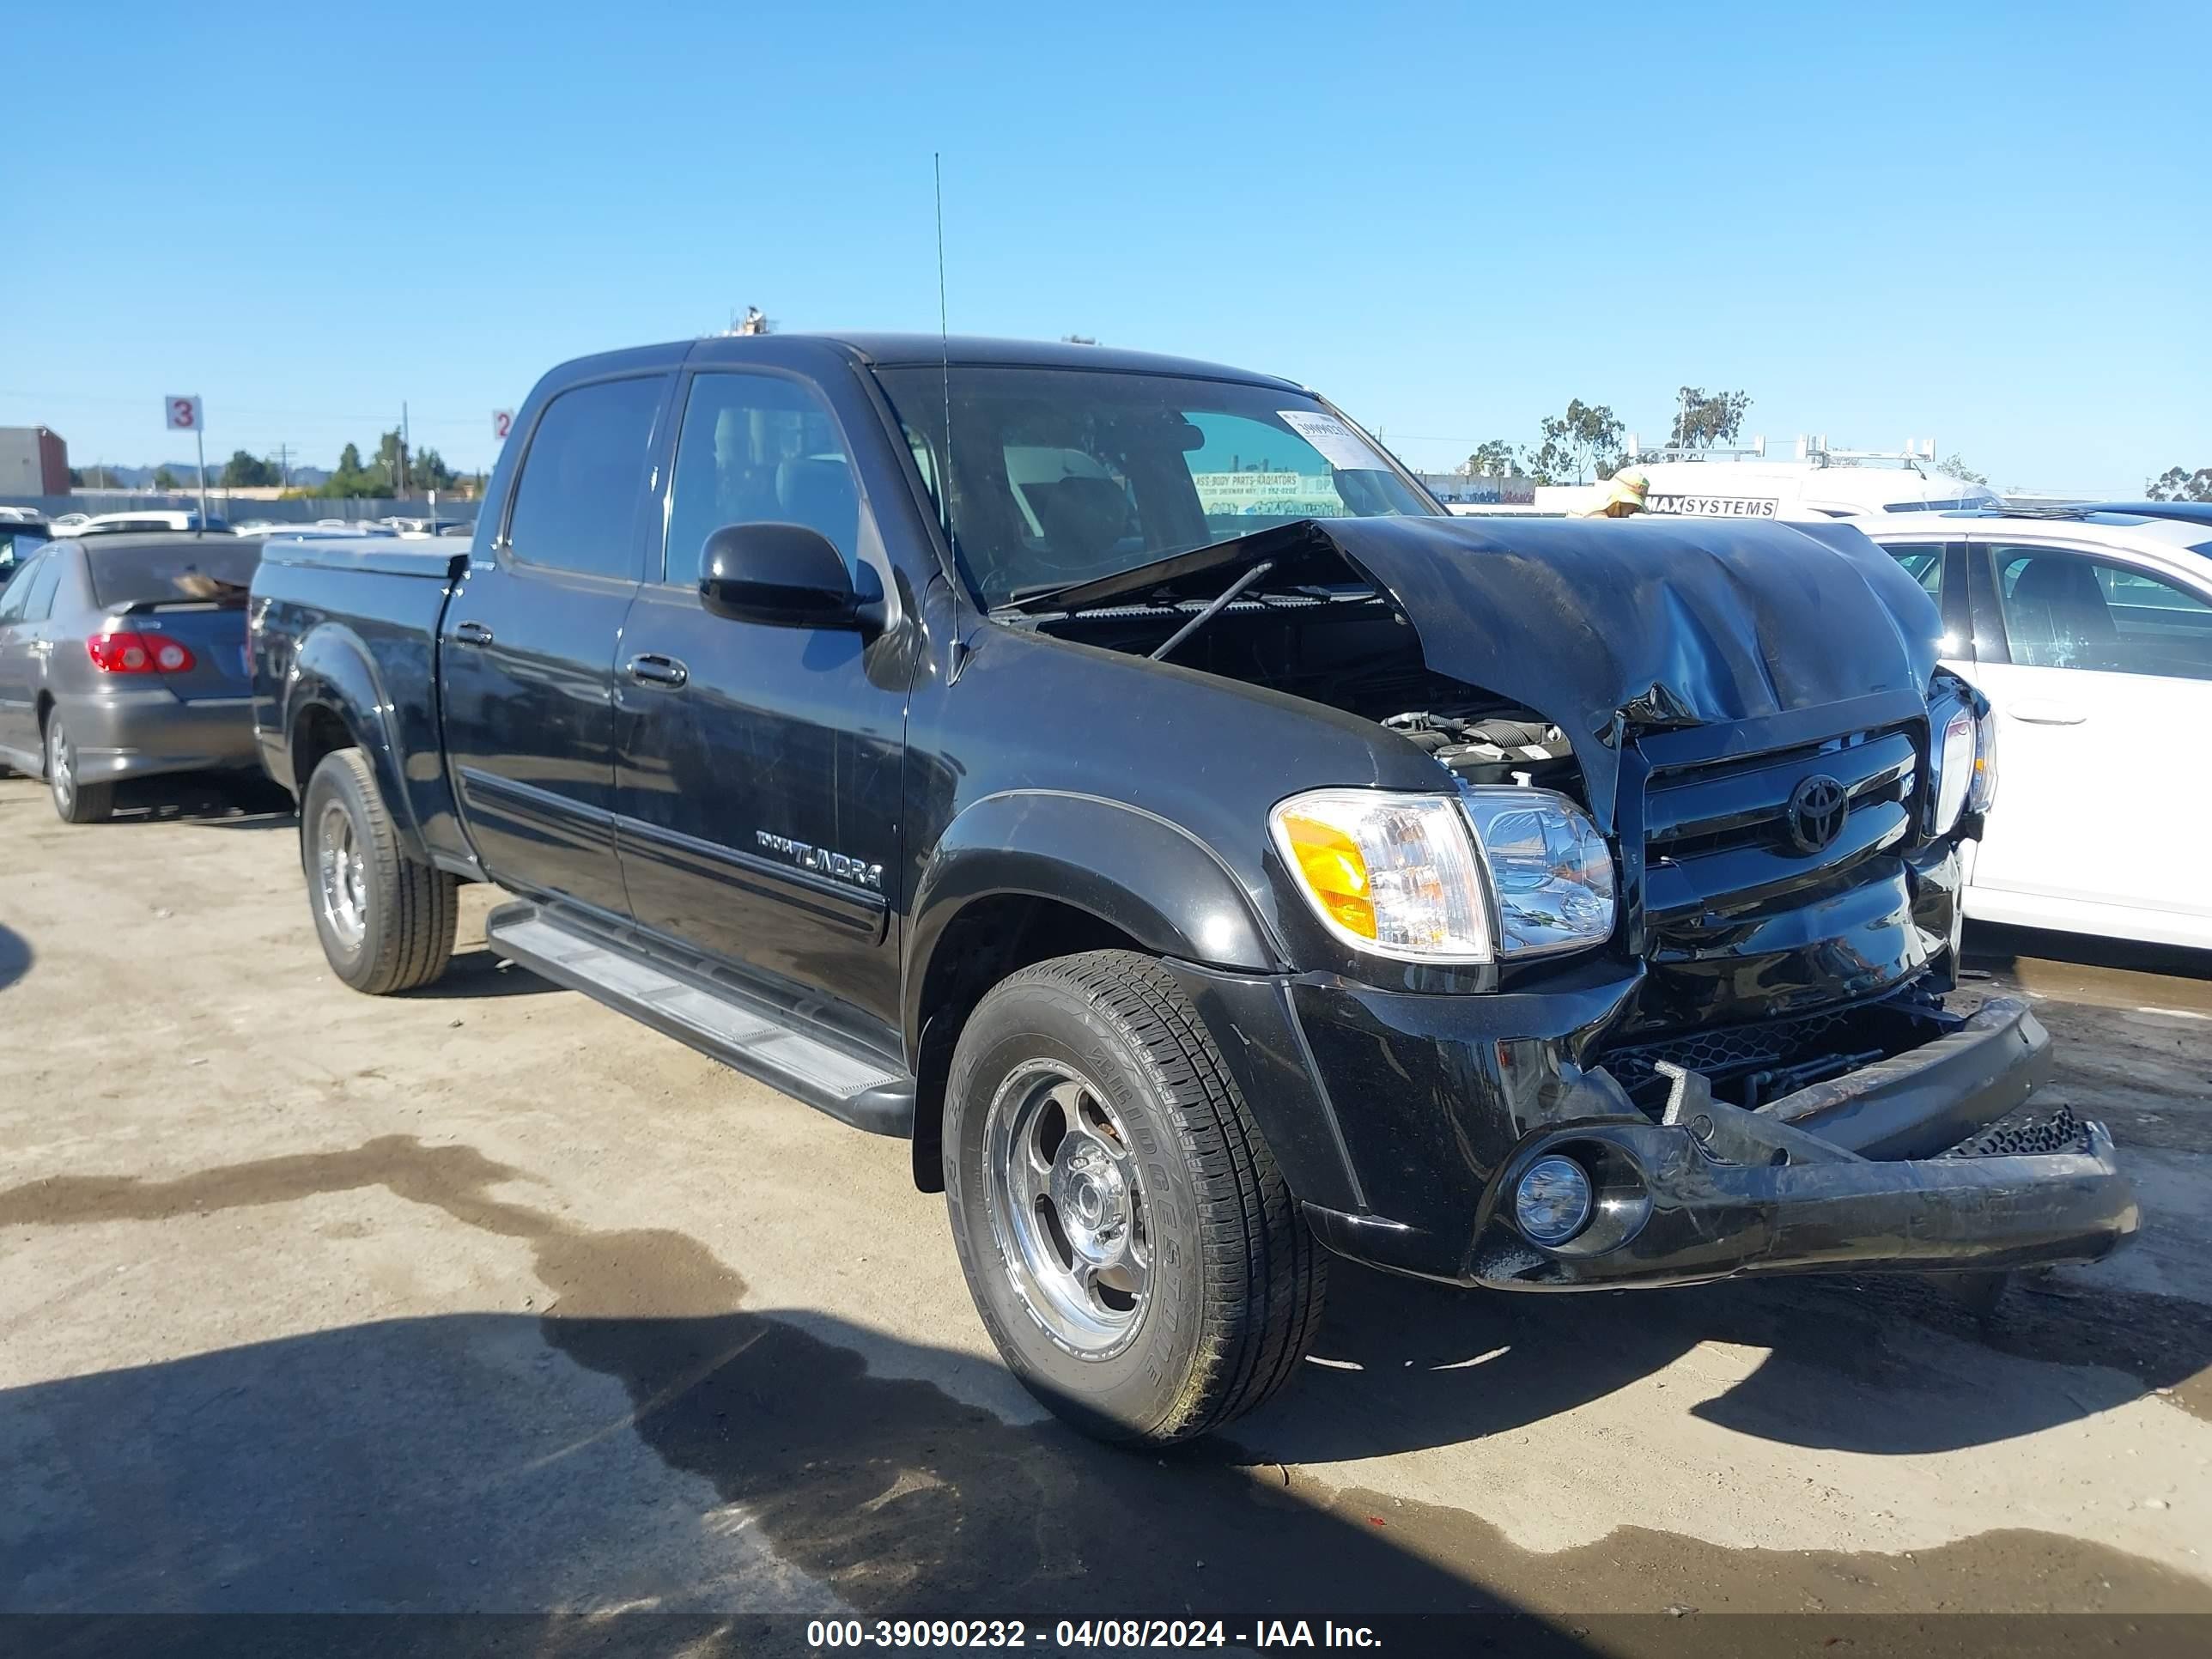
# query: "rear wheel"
[75,800]
[1128,1241]
[386,921]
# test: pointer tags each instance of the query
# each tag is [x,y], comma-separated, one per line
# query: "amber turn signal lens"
[1335,874]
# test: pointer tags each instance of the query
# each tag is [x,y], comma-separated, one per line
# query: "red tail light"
[138,653]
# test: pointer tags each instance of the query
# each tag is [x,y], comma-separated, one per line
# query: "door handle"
[2045,711]
[654,670]
[471,632]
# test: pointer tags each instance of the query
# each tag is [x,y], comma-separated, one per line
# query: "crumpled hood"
[1677,623]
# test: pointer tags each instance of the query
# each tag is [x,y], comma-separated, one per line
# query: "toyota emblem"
[1817,809]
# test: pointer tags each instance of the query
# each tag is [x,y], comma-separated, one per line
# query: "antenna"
[945,352]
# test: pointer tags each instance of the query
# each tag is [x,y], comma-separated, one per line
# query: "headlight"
[1550,870]
[1955,769]
[1392,875]
[1432,879]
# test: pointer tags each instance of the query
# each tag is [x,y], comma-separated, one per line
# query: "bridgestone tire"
[409,909]
[1236,1280]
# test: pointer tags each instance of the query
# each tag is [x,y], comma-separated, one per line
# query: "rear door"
[527,652]
[2099,666]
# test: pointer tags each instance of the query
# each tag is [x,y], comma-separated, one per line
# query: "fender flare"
[1142,873]
[333,670]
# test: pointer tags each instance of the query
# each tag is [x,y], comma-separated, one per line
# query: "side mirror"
[784,576]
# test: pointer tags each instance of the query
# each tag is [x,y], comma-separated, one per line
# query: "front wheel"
[75,801]
[1134,1251]
[386,922]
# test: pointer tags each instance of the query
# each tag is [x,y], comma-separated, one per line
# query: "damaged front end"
[1751,1070]
[1848,1175]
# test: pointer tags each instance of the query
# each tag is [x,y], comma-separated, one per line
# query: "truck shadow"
[480,972]
[491,1461]
[1886,1366]
[216,800]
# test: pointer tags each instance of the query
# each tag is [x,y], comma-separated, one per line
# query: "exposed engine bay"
[1491,748]
[1348,650]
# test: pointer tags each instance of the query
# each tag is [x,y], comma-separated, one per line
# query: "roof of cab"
[889,350]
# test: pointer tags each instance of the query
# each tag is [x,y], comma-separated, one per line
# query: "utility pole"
[284,463]
[199,438]
[402,452]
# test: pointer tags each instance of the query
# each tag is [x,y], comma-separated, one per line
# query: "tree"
[352,479]
[2175,485]
[245,471]
[1703,420]
[1954,466]
[1583,441]
[392,462]
[428,470]
[1494,460]
[164,479]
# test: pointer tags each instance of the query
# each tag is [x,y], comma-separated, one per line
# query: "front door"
[759,767]
[24,604]
[526,657]
[2101,675]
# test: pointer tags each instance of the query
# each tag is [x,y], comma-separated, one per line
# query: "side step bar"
[751,1034]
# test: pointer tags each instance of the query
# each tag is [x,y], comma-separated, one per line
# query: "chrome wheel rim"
[1067,1209]
[341,877]
[61,766]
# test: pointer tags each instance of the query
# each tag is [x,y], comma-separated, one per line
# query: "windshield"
[1063,475]
[218,567]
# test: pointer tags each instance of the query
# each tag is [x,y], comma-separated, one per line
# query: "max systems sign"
[1713,506]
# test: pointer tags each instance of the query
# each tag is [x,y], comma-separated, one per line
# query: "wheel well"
[317,732]
[989,940]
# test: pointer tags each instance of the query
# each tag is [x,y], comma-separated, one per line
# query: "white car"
[2091,633]
[147,519]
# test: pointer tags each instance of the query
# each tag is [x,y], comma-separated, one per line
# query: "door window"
[1922,561]
[757,449]
[2069,611]
[38,602]
[575,505]
[16,593]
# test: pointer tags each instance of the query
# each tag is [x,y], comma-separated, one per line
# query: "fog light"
[1553,1201]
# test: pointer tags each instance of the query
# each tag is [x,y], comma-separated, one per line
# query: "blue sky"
[1984,223]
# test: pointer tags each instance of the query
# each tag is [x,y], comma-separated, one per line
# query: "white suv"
[2092,634]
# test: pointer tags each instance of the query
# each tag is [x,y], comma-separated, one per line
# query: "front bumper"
[1712,1191]
[144,733]
[1402,1122]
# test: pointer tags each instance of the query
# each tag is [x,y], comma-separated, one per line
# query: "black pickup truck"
[1117,775]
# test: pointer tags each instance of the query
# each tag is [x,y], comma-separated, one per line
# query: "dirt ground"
[487,1299]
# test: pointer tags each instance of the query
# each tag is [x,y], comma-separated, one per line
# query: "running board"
[749,1034]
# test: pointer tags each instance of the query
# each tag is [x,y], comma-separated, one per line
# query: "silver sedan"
[125,657]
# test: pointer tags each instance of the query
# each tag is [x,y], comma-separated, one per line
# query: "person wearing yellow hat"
[1623,498]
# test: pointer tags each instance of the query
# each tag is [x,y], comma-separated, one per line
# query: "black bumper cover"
[1866,1172]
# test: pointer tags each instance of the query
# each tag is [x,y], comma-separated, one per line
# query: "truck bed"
[352,624]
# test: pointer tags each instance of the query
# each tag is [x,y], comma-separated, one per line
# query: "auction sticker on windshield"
[1714,506]
[1340,446]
